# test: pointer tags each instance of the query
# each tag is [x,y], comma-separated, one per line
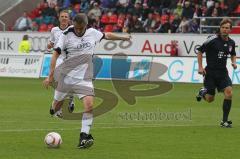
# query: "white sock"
[87,120]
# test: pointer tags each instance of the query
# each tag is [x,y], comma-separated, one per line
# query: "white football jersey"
[78,52]
[56,33]
[54,37]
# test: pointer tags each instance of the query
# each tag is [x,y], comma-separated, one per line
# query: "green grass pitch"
[24,122]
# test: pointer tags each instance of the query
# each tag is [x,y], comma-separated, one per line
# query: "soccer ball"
[53,140]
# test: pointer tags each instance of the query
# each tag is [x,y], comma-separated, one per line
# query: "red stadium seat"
[108,28]
[164,19]
[235,30]
[50,26]
[113,19]
[237,10]
[104,19]
[43,28]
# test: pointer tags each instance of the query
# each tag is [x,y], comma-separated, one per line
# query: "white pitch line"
[31,130]
[102,127]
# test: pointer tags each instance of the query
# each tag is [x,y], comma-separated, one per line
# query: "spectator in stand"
[213,22]
[198,11]
[178,10]
[24,46]
[204,9]
[215,6]
[188,11]
[193,26]
[183,26]
[52,2]
[231,5]
[158,24]
[74,2]
[145,11]
[66,4]
[109,4]
[49,14]
[210,3]
[23,23]
[122,6]
[166,5]
[95,11]
[85,4]
[96,24]
[154,4]
[166,26]
[49,10]
[120,22]
[149,22]
[136,25]
[128,21]
[175,23]
[137,10]
[75,10]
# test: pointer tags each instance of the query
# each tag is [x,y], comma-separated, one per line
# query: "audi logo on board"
[39,44]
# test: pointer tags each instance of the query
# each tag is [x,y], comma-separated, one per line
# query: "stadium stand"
[5,5]
[155,16]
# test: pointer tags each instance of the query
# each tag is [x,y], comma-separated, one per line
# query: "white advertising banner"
[158,44]
[9,41]
[185,69]
[20,65]
[141,44]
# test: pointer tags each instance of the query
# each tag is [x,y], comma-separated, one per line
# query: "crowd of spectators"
[151,16]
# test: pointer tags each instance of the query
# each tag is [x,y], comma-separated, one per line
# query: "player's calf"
[55,109]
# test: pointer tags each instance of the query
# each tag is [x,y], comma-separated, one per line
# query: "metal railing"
[3,24]
[204,20]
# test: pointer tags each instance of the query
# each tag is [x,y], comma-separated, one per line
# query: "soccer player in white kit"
[74,75]
[64,20]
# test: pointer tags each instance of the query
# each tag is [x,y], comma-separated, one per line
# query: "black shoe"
[51,111]
[200,96]
[55,114]
[71,105]
[85,141]
[226,124]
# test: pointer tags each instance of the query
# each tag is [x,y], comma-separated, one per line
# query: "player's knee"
[228,93]
[88,105]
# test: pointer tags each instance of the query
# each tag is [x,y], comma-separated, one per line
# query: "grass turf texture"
[24,122]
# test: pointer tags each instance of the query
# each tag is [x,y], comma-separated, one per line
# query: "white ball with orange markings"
[53,140]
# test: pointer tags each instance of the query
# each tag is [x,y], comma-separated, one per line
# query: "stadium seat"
[108,28]
[113,19]
[164,19]
[235,30]
[105,19]
[43,28]
[48,19]
[50,26]
[237,10]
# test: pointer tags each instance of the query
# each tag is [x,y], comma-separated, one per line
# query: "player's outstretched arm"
[112,36]
[48,81]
